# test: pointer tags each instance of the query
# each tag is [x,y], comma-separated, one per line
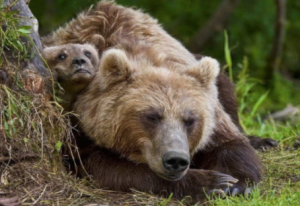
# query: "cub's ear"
[206,70]
[114,66]
[49,54]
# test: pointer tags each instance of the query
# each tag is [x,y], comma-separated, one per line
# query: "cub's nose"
[78,61]
[176,161]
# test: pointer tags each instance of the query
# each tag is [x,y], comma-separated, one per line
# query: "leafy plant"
[248,100]
[227,55]
[11,33]
[15,111]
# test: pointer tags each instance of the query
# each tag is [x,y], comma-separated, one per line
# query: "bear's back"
[139,35]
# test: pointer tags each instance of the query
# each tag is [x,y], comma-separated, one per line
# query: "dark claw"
[226,179]
[247,191]
[227,191]
[216,193]
[235,191]
[226,184]
[270,142]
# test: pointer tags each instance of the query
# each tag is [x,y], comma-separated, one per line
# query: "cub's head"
[73,65]
[151,115]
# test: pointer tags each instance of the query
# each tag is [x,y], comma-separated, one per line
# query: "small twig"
[289,111]
[4,159]
[11,201]
[36,201]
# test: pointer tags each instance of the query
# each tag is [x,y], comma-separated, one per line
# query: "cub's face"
[72,64]
[151,115]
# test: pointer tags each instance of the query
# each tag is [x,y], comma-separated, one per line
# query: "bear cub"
[73,66]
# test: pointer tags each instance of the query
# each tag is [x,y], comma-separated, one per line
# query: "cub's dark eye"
[88,54]
[61,57]
[189,122]
[153,118]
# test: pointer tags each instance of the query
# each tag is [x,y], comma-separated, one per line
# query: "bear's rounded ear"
[47,53]
[206,70]
[114,66]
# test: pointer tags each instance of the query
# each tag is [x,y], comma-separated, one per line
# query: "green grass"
[281,183]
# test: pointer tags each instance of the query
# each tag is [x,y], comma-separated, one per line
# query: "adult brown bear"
[170,123]
[154,110]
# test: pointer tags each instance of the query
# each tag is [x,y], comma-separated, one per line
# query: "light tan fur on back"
[130,30]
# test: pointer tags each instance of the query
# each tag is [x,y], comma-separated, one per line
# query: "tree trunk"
[274,60]
[33,71]
[215,24]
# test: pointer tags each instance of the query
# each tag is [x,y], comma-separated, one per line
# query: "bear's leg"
[110,171]
[228,100]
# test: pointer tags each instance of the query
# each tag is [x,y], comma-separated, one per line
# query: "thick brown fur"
[73,66]
[150,97]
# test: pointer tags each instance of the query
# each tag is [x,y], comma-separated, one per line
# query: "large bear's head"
[151,115]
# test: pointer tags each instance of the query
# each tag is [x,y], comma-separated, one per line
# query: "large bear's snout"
[176,162]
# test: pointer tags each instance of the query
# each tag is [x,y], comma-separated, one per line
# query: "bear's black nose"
[176,161]
[78,61]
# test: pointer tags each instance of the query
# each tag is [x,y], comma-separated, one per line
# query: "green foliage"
[15,112]
[285,91]
[58,146]
[245,87]
[25,119]
[285,197]
[166,201]
[11,32]
[248,99]
[227,55]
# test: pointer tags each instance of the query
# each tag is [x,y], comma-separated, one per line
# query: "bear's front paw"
[209,183]
[262,143]
[220,183]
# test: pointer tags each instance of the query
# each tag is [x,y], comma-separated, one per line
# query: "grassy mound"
[33,133]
